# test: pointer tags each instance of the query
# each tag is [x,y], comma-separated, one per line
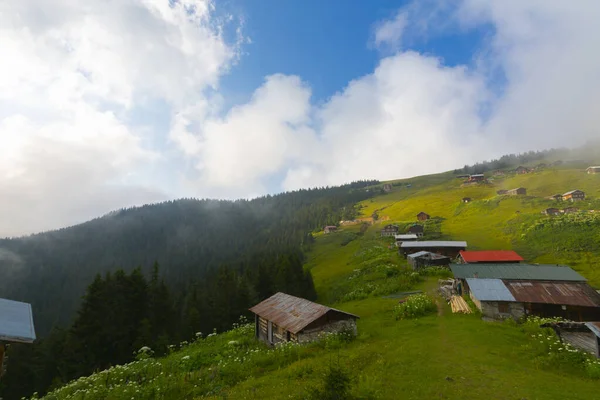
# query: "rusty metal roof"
[292,313]
[562,293]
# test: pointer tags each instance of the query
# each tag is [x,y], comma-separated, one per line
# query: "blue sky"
[106,105]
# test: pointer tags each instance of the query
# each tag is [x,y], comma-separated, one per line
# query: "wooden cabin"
[442,247]
[593,170]
[422,259]
[423,216]
[286,318]
[416,230]
[476,178]
[329,229]
[390,230]
[522,170]
[574,195]
[517,192]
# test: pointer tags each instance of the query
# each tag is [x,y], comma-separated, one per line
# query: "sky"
[115,103]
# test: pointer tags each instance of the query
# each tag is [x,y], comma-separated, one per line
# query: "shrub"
[336,385]
[437,271]
[415,306]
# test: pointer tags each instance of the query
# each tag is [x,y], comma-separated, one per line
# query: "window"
[503,308]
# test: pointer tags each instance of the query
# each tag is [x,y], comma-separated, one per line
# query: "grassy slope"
[440,356]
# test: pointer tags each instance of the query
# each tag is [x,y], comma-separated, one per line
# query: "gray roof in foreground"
[489,290]
[419,254]
[406,236]
[433,243]
[16,322]
[516,272]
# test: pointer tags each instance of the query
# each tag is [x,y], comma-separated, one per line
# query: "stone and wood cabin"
[517,290]
[329,229]
[476,178]
[488,256]
[286,318]
[416,230]
[442,247]
[574,195]
[551,211]
[423,216]
[390,230]
[422,259]
[517,192]
[593,170]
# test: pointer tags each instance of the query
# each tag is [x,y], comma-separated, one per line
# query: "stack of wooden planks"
[459,305]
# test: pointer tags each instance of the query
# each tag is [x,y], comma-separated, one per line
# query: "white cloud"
[71,75]
[389,32]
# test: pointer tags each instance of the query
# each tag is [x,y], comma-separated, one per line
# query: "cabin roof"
[406,236]
[563,293]
[490,255]
[489,290]
[516,272]
[292,313]
[433,243]
[16,322]
[571,192]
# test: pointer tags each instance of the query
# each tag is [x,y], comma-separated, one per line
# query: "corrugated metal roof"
[434,243]
[419,254]
[516,271]
[16,321]
[490,255]
[594,327]
[562,293]
[292,313]
[571,192]
[489,290]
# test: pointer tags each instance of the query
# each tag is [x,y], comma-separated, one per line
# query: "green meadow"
[437,356]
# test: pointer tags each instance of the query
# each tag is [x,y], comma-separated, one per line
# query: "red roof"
[490,256]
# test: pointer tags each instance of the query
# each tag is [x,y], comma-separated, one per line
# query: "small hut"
[423,216]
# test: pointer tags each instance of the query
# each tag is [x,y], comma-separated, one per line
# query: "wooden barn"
[593,170]
[518,290]
[390,230]
[16,326]
[416,229]
[517,192]
[329,229]
[286,318]
[488,256]
[476,178]
[442,247]
[423,216]
[574,195]
[422,259]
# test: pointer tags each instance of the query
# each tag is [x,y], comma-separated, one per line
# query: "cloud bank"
[81,79]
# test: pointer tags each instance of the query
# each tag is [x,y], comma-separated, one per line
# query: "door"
[270,332]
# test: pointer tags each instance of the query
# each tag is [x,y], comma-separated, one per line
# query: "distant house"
[517,192]
[387,188]
[522,170]
[517,290]
[286,318]
[489,256]
[556,197]
[416,229]
[570,210]
[466,199]
[423,216]
[476,178]
[498,173]
[329,229]
[442,247]
[422,259]
[501,192]
[593,170]
[551,211]
[389,230]
[410,237]
[574,195]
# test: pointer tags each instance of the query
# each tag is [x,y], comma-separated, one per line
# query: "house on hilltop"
[387,188]
[517,290]
[390,230]
[517,192]
[423,216]
[476,178]
[498,173]
[286,318]
[574,195]
[488,256]
[416,230]
[593,170]
[522,170]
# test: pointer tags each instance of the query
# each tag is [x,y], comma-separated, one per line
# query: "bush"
[415,306]
[336,385]
[437,271]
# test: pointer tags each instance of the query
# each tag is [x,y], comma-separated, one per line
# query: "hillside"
[442,355]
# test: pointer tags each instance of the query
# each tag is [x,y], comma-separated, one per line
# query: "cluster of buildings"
[573,195]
